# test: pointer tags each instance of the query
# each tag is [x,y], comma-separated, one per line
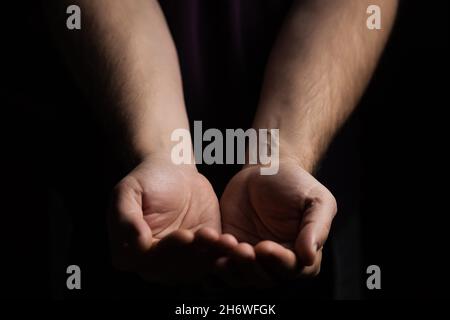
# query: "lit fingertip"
[228,239]
[266,247]
[274,253]
[245,251]
[185,236]
[207,233]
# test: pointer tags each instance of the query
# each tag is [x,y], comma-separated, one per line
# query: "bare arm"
[125,60]
[319,68]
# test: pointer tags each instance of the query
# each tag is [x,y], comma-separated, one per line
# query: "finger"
[205,249]
[127,226]
[314,228]
[243,252]
[205,240]
[244,266]
[170,260]
[314,269]
[279,262]
[225,243]
[239,266]
[176,240]
[221,265]
[232,268]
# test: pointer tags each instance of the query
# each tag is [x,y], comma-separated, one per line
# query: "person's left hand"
[283,221]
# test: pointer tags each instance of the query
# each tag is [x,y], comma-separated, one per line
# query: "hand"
[165,223]
[286,217]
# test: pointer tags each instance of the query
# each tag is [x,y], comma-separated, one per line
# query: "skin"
[286,217]
[318,69]
[162,216]
[268,228]
[160,212]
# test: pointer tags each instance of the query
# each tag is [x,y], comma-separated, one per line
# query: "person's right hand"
[165,223]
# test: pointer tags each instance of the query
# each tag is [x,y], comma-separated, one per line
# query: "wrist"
[150,148]
[303,156]
[166,155]
[283,151]
[295,144]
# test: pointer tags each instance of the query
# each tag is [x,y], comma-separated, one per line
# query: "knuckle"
[331,201]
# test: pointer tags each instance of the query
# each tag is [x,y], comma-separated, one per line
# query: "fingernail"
[318,247]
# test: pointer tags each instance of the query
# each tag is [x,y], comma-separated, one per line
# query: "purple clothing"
[223,46]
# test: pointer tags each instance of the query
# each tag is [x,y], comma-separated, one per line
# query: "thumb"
[127,225]
[315,227]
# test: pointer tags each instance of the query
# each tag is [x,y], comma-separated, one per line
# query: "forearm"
[319,67]
[125,60]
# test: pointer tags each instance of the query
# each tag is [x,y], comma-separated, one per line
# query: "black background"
[404,141]
[400,130]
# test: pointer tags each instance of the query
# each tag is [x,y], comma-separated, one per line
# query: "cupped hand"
[165,223]
[282,220]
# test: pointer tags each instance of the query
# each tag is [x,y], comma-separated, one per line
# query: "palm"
[257,207]
[290,209]
[160,215]
[174,198]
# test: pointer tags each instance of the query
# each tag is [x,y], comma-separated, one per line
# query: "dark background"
[387,164]
[404,141]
